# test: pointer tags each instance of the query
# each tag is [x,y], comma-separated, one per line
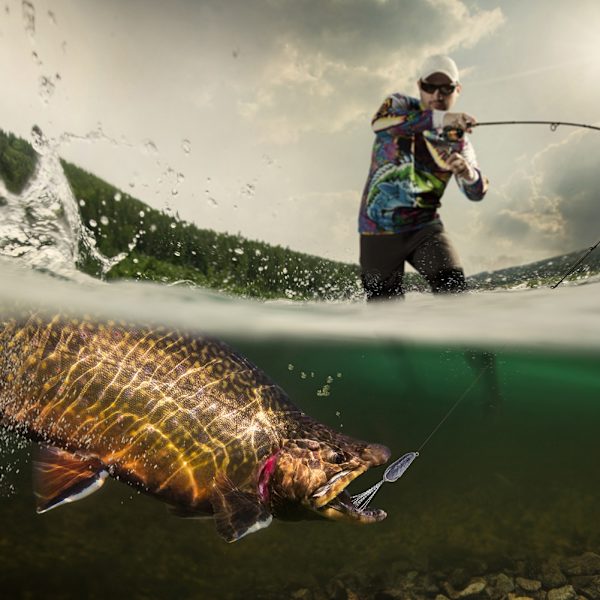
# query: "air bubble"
[186,146]
[104,220]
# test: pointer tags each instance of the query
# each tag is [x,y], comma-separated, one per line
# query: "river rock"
[499,586]
[528,585]
[586,564]
[550,574]
[475,587]
[589,585]
[564,593]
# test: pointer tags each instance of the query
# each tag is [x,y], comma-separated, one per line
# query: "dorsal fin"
[237,513]
[60,477]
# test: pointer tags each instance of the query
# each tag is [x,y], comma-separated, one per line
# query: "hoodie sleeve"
[477,189]
[402,116]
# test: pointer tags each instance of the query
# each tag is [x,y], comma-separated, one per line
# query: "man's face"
[437,99]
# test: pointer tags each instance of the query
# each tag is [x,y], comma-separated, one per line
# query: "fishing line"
[399,466]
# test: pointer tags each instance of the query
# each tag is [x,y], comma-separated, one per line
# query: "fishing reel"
[453,134]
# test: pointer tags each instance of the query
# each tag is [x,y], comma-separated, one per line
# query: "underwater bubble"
[82,203]
[117,197]
[93,223]
[186,146]
[290,367]
[52,17]
[135,261]
[177,253]
[142,213]
[174,192]
[36,58]
[153,228]
[212,201]
[104,220]
[239,250]
[173,225]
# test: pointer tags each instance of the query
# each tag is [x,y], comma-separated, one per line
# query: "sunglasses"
[445,89]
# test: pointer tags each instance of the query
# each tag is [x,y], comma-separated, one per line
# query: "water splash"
[41,227]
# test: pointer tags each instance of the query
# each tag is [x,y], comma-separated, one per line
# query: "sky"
[253,116]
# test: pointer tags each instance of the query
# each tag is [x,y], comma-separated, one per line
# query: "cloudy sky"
[252,116]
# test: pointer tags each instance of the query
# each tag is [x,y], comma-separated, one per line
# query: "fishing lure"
[391,474]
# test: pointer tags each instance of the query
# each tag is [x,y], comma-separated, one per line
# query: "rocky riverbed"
[557,578]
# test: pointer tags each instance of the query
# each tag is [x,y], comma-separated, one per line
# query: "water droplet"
[28,17]
[150,146]
[47,88]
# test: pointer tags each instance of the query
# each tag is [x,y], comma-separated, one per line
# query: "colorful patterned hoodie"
[409,173]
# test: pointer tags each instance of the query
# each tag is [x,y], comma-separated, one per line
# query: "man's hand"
[461,168]
[459,121]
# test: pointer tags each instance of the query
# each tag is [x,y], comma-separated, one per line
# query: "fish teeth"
[324,489]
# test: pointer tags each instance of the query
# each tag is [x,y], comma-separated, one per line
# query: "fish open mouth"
[334,502]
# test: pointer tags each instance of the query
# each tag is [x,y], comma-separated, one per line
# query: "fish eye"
[337,458]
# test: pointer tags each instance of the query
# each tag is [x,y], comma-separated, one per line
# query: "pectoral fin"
[60,477]
[237,513]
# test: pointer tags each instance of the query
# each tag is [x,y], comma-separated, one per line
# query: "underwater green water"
[512,472]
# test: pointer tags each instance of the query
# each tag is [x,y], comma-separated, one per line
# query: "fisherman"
[414,157]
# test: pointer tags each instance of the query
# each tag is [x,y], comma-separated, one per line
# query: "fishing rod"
[574,266]
[453,134]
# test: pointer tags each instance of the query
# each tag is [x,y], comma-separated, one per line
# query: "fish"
[177,415]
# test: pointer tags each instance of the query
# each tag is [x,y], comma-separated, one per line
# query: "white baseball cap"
[439,63]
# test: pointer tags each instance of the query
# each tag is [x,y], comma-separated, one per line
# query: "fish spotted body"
[181,417]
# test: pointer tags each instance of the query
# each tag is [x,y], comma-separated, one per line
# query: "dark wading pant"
[428,250]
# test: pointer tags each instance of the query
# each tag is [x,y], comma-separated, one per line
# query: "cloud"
[553,206]
[330,61]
